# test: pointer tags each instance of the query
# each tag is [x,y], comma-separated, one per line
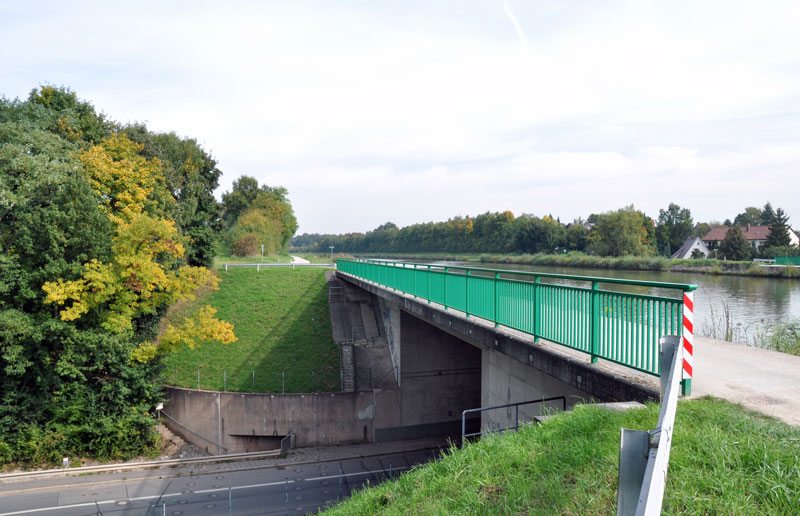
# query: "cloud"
[513,18]
[377,112]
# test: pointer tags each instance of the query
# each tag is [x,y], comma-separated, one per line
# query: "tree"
[734,246]
[144,271]
[191,176]
[274,208]
[626,231]
[767,215]
[697,254]
[778,231]
[751,215]
[90,257]
[244,192]
[535,235]
[577,236]
[674,227]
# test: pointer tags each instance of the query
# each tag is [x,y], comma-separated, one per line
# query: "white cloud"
[375,112]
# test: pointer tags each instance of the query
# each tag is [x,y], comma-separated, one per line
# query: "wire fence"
[264,381]
[289,496]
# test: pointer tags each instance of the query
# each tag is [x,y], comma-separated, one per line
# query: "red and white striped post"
[688,342]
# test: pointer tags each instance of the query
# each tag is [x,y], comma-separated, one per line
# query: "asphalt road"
[290,489]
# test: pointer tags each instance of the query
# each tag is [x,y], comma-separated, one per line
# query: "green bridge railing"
[622,326]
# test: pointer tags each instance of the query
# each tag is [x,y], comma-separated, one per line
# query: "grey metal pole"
[312,381]
[164,508]
[340,482]
[198,379]
[230,502]
[283,382]
[224,380]
[253,387]
[287,496]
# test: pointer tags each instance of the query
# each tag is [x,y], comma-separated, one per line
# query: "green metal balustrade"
[622,323]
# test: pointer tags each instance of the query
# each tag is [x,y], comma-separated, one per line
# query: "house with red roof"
[755,235]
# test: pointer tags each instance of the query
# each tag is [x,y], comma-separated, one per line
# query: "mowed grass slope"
[282,320]
[724,460]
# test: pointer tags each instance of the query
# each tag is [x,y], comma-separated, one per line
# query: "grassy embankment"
[724,460]
[744,268]
[282,320]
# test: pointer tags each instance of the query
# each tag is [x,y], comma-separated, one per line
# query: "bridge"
[422,343]
[486,337]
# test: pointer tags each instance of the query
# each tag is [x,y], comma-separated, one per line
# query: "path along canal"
[735,308]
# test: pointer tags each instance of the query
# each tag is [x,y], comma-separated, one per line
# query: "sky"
[414,111]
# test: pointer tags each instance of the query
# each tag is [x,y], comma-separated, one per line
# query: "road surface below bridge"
[269,487]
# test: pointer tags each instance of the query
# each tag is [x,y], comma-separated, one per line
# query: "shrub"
[246,245]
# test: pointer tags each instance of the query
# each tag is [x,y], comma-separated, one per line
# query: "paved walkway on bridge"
[762,380]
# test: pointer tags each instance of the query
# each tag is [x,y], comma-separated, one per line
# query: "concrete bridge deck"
[605,381]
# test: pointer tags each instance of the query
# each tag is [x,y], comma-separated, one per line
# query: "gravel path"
[762,380]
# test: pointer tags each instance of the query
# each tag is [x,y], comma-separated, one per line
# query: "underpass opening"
[440,376]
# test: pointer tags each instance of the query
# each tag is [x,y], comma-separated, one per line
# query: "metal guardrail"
[516,406]
[219,446]
[619,326]
[258,266]
[129,466]
[643,455]
[287,443]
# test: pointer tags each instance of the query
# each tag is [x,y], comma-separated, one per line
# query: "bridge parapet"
[622,323]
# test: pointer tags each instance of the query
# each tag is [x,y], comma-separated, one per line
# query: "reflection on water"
[752,302]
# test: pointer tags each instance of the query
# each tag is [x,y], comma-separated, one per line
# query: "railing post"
[466,293]
[537,310]
[688,343]
[595,320]
[429,284]
[496,281]
[415,281]
[445,288]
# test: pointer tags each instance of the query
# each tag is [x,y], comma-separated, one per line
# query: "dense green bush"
[70,387]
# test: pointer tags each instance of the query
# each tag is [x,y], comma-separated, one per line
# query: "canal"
[737,307]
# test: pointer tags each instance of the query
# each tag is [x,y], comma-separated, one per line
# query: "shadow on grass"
[283,321]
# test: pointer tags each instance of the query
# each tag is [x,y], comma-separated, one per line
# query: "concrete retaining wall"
[241,422]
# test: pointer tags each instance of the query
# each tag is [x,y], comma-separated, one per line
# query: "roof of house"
[687,246]
[749,232]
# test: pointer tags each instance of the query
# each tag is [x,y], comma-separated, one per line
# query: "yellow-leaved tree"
[145,270]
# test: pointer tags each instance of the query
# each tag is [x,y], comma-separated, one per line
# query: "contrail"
[515,23]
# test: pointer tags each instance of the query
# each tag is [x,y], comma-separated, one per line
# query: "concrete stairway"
[370,323]
[348,368]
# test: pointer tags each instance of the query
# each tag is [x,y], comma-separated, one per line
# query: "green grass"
[276,258]
[782,336]
[282,320]
[724,460]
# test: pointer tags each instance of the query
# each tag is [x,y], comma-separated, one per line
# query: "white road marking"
[201,491]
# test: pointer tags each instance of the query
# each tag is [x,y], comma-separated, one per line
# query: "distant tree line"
[622,232]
